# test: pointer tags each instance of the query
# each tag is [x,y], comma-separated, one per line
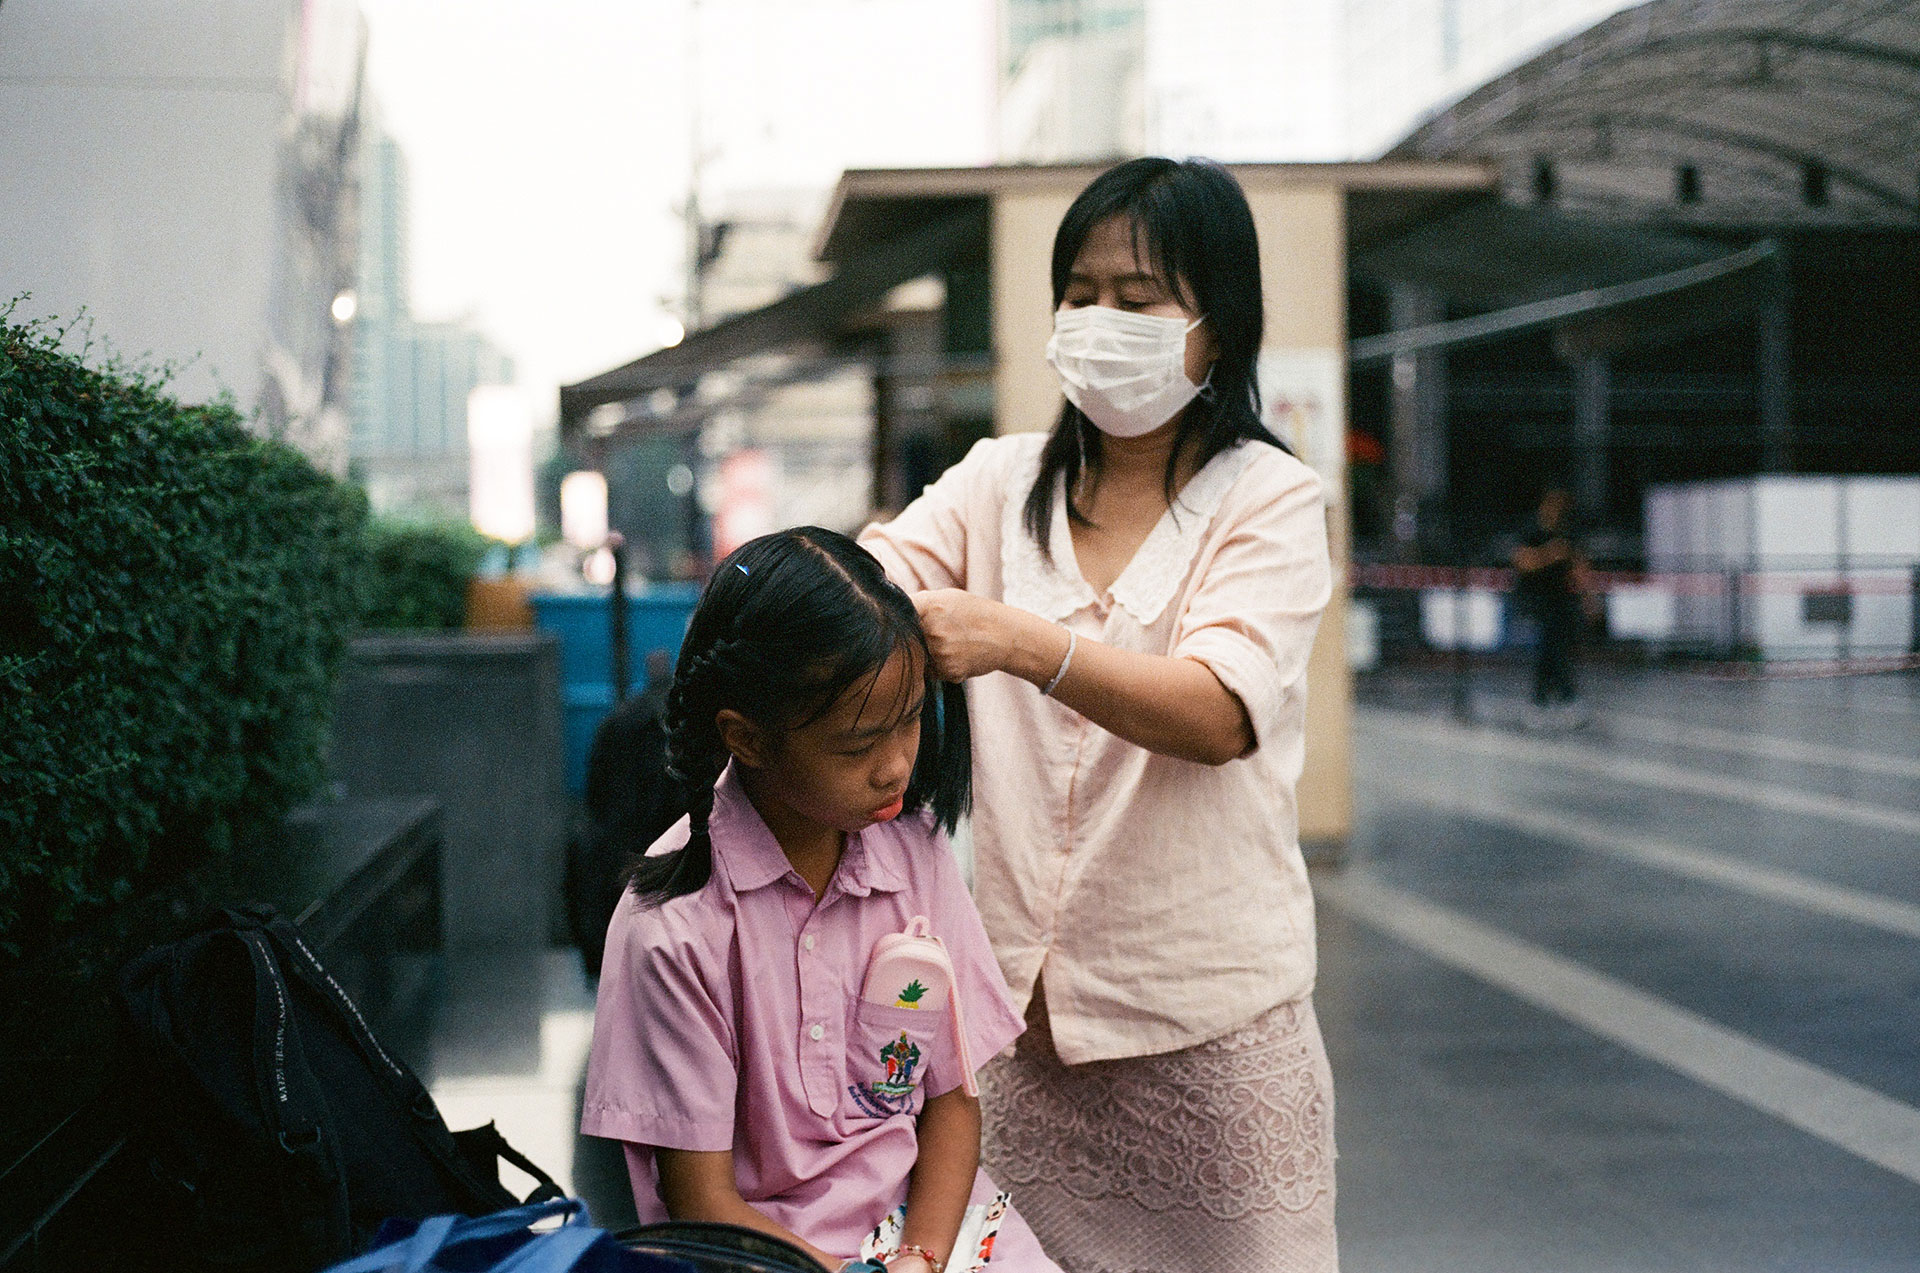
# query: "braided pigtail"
[694,758]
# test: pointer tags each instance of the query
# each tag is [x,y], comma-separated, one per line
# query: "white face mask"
[1126,372]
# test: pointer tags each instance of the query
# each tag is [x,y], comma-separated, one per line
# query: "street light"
[500,454]
[583,509]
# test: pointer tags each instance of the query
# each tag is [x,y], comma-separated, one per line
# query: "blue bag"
[504,1242]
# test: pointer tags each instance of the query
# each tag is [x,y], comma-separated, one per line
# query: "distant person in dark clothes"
[1550,568]
[631,800]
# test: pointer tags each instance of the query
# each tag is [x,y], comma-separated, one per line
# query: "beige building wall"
[1025,393]
[1302,227]
[1303,270]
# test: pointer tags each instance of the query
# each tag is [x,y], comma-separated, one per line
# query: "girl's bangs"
[861,661]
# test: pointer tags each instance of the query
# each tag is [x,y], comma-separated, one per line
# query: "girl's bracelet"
[1073,639]
[933,1262]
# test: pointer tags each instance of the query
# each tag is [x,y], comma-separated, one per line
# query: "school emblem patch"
[893,1092]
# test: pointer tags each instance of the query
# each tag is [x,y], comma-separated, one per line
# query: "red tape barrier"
[1869,581]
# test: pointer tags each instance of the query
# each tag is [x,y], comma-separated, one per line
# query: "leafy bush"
[175,600]
[417,573]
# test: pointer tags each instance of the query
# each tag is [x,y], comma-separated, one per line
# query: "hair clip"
[742,569]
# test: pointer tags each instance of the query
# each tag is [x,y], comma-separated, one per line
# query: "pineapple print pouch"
[911,969]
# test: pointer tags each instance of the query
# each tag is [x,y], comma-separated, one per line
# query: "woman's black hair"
[1192,219]
[788,623]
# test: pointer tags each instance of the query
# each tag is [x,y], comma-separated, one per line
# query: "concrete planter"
[474,721]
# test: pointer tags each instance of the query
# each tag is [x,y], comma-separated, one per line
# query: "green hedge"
[175,600]
[417,573]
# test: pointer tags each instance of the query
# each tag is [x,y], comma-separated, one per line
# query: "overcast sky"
[548,141]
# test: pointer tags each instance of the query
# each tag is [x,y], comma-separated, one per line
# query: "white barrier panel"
[1363,636]
[1819,566]
[1641,613]
[1465,618]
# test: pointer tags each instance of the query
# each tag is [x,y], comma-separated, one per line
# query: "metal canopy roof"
[886,226]
[1489,253]
[810,316]
[1789,112]
[1599,318]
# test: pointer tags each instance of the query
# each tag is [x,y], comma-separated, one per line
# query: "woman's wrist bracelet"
[1073,639]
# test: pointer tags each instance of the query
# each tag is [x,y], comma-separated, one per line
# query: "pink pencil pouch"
[911,969]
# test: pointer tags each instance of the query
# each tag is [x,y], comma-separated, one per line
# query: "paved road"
[1642,996]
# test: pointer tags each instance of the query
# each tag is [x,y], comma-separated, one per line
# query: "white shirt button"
[807,941]
[818,1033]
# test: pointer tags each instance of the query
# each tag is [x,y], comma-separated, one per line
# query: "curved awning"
[809,317]
[1598,316]
[1786,113]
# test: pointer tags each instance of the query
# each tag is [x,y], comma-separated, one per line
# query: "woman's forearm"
[1170,706]
[943,1174]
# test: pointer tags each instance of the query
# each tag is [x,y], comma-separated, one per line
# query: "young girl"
[733,1052]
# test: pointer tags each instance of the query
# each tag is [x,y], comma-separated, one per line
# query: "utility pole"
[693,304]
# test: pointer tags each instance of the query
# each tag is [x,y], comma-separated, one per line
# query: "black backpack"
[275,1130]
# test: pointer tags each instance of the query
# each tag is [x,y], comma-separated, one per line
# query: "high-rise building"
[410,378]
[1406,60]
[1253,80]
[1245,80]
[180,171]
[1071,79]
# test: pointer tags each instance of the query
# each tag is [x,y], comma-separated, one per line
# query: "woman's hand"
[970,636]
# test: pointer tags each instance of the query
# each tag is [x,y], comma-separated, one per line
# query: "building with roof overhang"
[1680,245]
[1702,261]
[940,287]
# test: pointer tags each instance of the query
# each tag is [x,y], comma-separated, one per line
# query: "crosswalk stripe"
[1564,827]
[1645,773]
[1654,729]
[1843,1113]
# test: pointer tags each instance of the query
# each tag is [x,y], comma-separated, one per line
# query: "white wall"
[1245,80]
[1779,538]
[148,178]
[1407,60]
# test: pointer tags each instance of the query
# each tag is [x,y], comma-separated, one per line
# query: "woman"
[1133,597]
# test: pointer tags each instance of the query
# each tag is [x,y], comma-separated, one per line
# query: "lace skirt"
[1216,1158]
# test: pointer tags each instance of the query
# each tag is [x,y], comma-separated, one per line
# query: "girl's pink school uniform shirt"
[731,1018]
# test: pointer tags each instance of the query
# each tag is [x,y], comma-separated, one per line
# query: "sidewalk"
[504,1037]
[1638,996]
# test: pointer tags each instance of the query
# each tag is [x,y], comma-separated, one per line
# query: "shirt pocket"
[889,1051]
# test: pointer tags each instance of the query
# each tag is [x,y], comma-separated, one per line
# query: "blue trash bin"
[656,620]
